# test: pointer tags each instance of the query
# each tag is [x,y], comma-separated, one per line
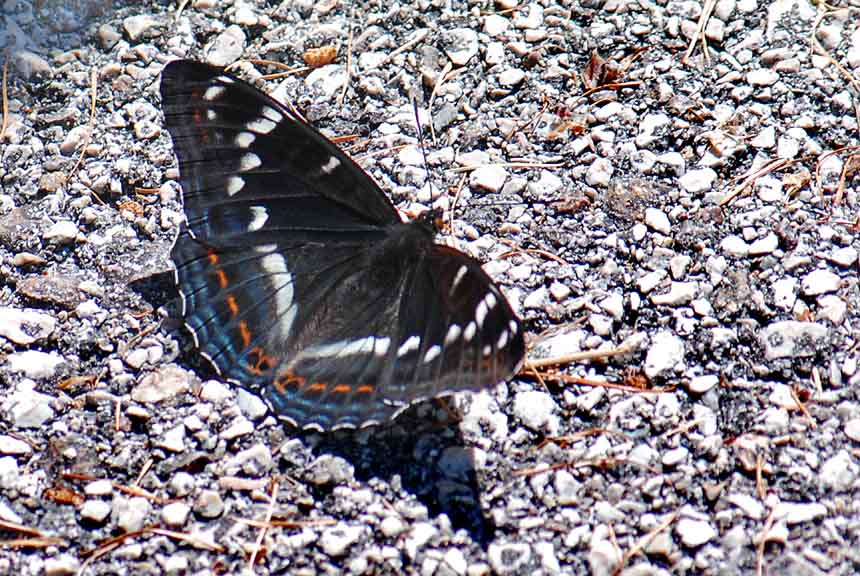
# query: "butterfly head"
[431,220]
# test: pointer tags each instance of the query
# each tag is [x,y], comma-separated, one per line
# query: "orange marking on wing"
[223,281]
[213,258]
[233,305]
[288,378]
[245,333]
[317,387]
[342,388]
[364,389]
[259,362]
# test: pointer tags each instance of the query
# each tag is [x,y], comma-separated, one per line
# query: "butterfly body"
[298,278]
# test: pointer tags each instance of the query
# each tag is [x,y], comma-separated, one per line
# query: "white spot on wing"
[225,80]
[469,332]
[432,353]
[234,185]
[378,346]
[483,308]
[210,115]
[487,350]
[503,340]
[457,279]
[512,326]
[245,139]
[330,166]
[275,265]
[258,218]
[265,248]
[261,125]
[453,333]
[271,114]
[213,93]
[410,344]
[249,161]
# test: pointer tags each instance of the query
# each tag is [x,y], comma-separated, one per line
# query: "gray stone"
[792,339]
[35,364]
[695,533]
[839,472]
[130,514]
[509,558]
[227,47]
[95,511]
[536,410]
[336,540]
[209,504]
[488,178]
[460,44]
[175,514]
[665,354]
[137,27]
[25,326]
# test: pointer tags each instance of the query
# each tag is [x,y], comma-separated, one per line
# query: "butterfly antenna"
[420,131]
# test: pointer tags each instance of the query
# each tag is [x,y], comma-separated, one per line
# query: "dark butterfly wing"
[298,279]
[251,171]
[441,326]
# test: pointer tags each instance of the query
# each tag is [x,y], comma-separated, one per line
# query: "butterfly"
[297,277]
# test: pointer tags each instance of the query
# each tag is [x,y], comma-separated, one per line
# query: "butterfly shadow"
[422,455]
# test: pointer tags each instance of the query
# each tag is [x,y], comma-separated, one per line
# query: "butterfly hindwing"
[298,279]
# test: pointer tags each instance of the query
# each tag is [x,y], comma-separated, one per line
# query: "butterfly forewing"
[297,277]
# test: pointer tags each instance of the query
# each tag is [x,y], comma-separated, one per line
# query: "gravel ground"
[701,210]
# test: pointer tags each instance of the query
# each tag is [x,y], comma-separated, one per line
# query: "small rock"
[852,430]
[657,220]
[209,504]
[696,181]
[839,472]
[175,514]
[35,364]
[166,382]
[599,173]
[62,565]
[174,439]
[735,246]
[25,326]
[694,533]
[799,512]
[536,410]
[820,281]
[510,558]
[98,488]
[336,540]
[764,245]
[327,80]
[665,354]
[63,232]
[844,257]
[495,25]
[679,293]
[136,27]
[227,47]
[701,384]
[792,339]
[460,44]
[488,178]
[130,514]
[512,77]
[95,510]
[420,534]
[13,446]
[762,77]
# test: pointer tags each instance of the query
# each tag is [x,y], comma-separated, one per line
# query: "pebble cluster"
[698,209]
